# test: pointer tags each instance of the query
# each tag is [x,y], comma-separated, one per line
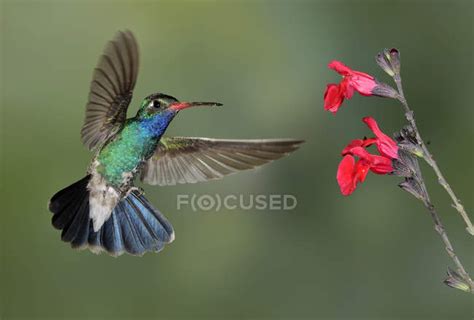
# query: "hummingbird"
[105,211]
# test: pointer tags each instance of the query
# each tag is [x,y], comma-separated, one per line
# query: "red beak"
[184,105]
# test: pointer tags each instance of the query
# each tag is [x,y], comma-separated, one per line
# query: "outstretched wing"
[111,90]
[190,160]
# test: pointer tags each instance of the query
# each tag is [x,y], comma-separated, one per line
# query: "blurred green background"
[373,255]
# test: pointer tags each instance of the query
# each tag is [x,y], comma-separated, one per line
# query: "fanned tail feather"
[134,227]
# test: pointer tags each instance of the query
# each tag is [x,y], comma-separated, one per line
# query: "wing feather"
[111,90]
[191,160]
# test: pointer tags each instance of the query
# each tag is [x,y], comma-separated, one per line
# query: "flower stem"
[439,227]
[409,115]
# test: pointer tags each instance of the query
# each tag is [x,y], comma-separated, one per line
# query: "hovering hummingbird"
[104,211]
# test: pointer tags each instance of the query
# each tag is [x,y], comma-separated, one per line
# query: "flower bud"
[406,165]
[389,61]
[412,186]
[384,63]
[406,140]
[395,60]
[454,280]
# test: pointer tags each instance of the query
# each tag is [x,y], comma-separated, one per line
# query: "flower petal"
[340,68]
[381,165]
[346,89]
[333,98]
[364,143]
[386,145]
[362,75]
[377,164]
[361,153]
[361,170]
[362,83]
[345,175]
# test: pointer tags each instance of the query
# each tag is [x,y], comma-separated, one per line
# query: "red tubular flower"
[356,80]
[350,172]
[352,80]
[386,145]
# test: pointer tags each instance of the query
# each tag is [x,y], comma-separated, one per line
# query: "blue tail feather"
[134,226]
[156,223]
[141,226]
[130,236]
[95,240]
[111,236]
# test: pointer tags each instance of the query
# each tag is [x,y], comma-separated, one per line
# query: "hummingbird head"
[160,104]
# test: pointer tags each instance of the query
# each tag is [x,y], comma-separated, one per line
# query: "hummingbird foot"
[133,188]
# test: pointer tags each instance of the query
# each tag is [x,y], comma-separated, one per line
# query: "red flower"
[387,146]
[350,172]
[352,80]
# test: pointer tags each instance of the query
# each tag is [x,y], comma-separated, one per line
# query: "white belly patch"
[102,200]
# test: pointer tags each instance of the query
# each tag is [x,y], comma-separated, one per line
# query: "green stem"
[409,115]
[439,227]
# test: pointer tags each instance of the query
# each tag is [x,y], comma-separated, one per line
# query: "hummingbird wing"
[111,90]
[190,160]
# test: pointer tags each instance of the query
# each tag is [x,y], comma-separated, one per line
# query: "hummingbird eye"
[156,104]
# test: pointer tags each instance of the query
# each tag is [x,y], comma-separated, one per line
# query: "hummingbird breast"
[119,160]
[114,168]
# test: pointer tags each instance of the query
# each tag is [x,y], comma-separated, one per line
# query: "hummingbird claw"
[140,191]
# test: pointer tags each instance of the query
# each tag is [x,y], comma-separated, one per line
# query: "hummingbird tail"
[134,227]
[70,207]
